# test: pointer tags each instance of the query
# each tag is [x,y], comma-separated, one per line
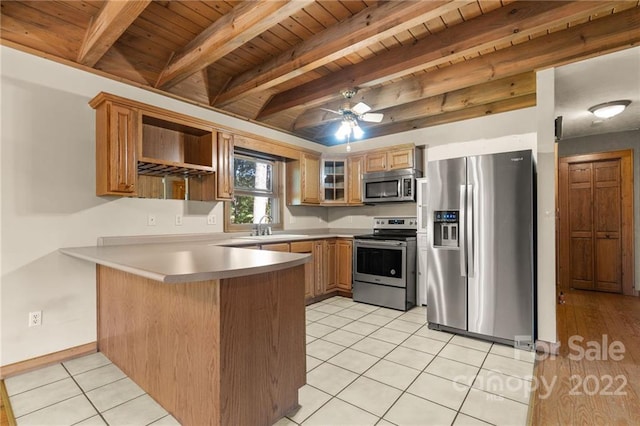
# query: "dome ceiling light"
[609,109]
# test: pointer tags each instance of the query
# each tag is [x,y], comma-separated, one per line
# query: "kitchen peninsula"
[215,334]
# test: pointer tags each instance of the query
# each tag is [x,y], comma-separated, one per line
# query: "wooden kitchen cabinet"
[309,267]
[134,140]
[224,187]
[355,168]
[401,157]
[318,256]
[116,162]
[334,181]
[303,180]
[276,247]
[375,162]
[344,260]
[330,276]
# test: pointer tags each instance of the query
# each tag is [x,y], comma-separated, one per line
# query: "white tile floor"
[365,366]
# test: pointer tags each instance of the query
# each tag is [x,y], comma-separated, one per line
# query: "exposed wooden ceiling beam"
[369,26]
[510,87]
[104,29]
[608,34]
[246,21]
[498,27]
[448,117]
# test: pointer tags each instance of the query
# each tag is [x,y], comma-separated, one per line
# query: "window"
[256,193]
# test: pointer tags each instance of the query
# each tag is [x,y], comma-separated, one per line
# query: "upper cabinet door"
[310,176]
[390,160]
[400,159]
[376,162]
[333,181]
[225,167]
[303,180]
[122,149]
[355,170]
[116,163]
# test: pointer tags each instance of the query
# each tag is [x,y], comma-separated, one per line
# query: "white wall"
[487,128]
[545,101]
[47,183]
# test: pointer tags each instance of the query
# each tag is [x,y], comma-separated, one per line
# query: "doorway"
[596,222]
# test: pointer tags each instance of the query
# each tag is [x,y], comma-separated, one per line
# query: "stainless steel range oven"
[384,263]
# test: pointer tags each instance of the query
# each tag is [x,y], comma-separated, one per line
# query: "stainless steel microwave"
[385,187]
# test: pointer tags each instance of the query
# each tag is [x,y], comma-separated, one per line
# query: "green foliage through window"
[254,195]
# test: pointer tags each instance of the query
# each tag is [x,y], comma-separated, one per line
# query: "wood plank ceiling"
[285,63]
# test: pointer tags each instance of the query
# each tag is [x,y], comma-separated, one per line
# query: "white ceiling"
[581,85]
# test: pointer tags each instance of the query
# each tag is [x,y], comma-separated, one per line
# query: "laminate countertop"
[180,265]
[181,262]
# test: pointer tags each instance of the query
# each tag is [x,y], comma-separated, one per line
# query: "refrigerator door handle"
[469,238]
[461,232]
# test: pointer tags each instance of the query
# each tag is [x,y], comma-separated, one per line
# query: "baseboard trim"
[344,293]
[44,360]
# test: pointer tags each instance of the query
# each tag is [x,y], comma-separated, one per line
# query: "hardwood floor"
[585,386]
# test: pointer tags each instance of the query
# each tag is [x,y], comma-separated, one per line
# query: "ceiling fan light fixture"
[343,130]
[358,133]
[609,109]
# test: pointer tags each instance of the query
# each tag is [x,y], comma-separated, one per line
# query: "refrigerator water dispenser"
[445,228]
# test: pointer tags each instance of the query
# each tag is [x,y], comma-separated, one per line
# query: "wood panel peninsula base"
[227,351]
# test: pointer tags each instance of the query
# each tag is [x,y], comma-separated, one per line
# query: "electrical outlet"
[151,220]
[178,220]
[211,219]
[35,318]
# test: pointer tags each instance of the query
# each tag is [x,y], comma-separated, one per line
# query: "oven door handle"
[367,243]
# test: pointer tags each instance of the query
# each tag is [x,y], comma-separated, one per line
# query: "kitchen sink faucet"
[266,230]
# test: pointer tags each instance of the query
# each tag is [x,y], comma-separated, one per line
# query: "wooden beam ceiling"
[500,26]
[246,21]
[419,62]
[481,94]
[370,26]
[110,23]
[606,34]
[504,105]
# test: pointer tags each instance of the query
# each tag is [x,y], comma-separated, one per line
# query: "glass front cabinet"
[333,180]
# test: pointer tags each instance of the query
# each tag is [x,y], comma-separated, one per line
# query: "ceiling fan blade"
[372,117]
[361,108]
[330,110]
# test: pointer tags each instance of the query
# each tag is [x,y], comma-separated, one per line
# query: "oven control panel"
[396,222]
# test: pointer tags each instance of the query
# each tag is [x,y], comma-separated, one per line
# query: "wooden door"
[354,179]
[225,167]
[309,268]
[375,162]
[121,167]
[401,159]
[344,258]
[330,277]
[596,218]
[310,176]
[276,247]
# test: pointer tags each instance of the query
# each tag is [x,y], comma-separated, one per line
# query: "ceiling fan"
[351,116]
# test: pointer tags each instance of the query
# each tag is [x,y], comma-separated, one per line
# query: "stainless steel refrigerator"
[481,275]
